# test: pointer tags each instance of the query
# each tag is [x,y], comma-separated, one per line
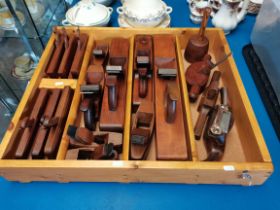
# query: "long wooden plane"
[143,98]
[30,123]
[55,59]
[55,133]
[82,40]
[170,130]
[46,122]
[67,59]
[113,103]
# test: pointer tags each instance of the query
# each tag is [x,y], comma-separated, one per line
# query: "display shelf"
[50,13]
[28,36]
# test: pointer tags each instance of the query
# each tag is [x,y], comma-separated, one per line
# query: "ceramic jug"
[228,16]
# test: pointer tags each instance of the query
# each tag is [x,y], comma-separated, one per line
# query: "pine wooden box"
[246,160]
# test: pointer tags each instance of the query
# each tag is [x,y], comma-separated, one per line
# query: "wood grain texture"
[113,120]
[26,138]
[54,137]
[170,137]
[79,55]
[255,157]
[56,57]
[43,130]
[142,124]
[67,59]
[134,171]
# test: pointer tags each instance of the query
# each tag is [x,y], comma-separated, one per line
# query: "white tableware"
[7,21]
[229,15]
[3,5]
[88,13]
[196,10]
[215,5]
[23,61]
[254,6]
[124,24]
[36,9]
[144,13]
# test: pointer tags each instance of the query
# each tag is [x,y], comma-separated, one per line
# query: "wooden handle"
[194,92]
[143,82]
[215,153]
[111,83]
[172,98]
[84,136]
[206,14]
[89,112]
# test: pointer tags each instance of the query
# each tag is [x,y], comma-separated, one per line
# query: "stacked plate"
[3,4]
[36,9]
[23,67]
[123,23]
[7,21]
[254,6]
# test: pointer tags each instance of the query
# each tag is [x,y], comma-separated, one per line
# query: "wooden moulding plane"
[85,144]
[70,46]
[207,103]
[113,103]
[29,125]
[40,130]
[67,55]
[93,90]
[82,40]
[170,130]
[92,94]
[57,54]
[143,98]
[55,133]
[46,122]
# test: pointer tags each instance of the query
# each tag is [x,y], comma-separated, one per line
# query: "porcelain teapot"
[228,16]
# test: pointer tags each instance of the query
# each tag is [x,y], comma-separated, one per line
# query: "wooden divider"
[186,104]
[129,86]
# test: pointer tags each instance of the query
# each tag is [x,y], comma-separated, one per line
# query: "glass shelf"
[44,15]
[24,37]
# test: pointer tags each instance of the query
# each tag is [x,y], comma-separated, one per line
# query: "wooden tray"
[246,160]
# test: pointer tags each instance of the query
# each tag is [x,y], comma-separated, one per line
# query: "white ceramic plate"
[257,1]
[39,13]
[164,24]
[11,26]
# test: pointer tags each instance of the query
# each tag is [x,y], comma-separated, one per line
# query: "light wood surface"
[135,171]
